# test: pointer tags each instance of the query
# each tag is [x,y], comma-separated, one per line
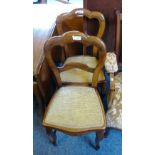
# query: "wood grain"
[67,38]
[82,15]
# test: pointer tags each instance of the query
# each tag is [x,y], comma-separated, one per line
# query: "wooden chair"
[75,109]
[118,53]
[74,76]
[118,50]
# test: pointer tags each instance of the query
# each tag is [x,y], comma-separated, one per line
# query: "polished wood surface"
[44,17]
[80,13]
[43,26]
[77,19]
[40,36]
[86,40]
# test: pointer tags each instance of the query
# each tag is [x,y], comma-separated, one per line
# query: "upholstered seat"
[78,75]
[114,113]
[111,62]
[80,111]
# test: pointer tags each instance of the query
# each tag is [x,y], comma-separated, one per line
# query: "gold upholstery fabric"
[80,76]
[114,113]
[75,108]
[111,62]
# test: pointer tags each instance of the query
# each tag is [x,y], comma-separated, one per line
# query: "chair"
[114,113]
[72,24]
[75,109]
[113,58]
[74,76]
[118,53]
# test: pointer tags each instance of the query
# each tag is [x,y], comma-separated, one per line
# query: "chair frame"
[118,15]
[84,13]
[86,40]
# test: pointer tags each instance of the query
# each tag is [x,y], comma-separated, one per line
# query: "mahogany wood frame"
[86,40]
[118,50]
[81,13]
[84,14]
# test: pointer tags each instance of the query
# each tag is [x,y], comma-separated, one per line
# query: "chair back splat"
[71,37]
[78,17]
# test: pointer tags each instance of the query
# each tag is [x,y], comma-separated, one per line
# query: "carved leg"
[99,137]
[52,135]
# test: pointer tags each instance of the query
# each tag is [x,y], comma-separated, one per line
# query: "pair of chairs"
[77,108]
[72,21]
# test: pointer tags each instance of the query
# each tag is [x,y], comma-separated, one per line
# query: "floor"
[73,145]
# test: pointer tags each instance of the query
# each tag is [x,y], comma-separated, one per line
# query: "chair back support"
[81,13]
[71,37]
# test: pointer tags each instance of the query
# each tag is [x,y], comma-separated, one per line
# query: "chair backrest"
[84,14]
[71,37]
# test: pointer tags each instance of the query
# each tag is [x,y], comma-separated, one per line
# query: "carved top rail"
[70,37]
[81,13]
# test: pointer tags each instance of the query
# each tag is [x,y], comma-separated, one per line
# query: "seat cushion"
[114,113]
[80,76]
[75,109]
[111,62]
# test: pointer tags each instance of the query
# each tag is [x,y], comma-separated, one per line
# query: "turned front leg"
[52,135]
[99,137]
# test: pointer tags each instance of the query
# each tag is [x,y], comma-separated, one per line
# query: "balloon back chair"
[74,17]
[74,23]
[75,109]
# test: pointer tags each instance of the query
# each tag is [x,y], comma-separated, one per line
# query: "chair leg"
[99,136]
[52,135]
[106,132]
